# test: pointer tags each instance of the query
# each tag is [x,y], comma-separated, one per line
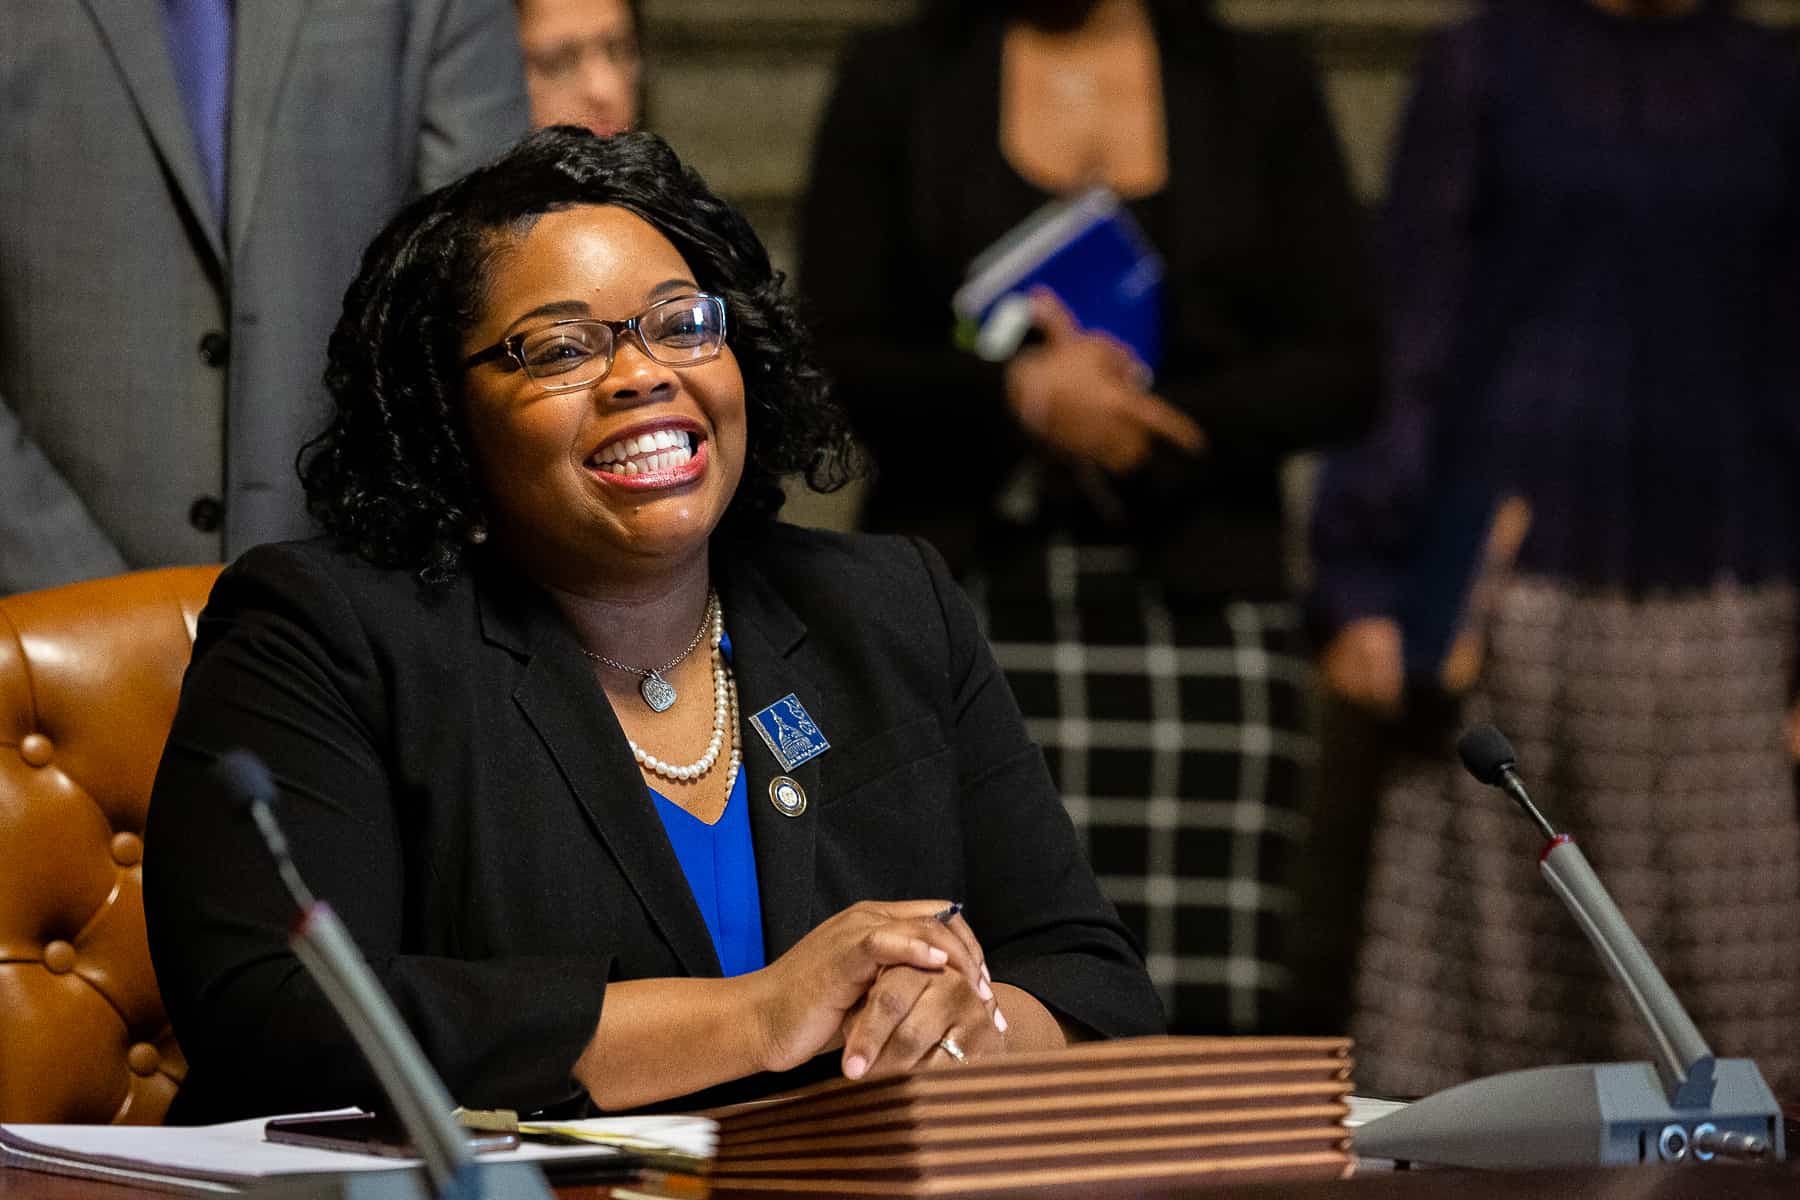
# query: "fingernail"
[939,955]
[984,973]
[855,1065]
[999,1020]
[984,991]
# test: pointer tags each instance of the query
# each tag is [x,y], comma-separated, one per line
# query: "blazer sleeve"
[474,104]
[47,535]
[1032,898]
[283,665]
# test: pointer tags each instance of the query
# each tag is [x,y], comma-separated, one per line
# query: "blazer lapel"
[262,48]
[137,37]
[764,634]
[570,713]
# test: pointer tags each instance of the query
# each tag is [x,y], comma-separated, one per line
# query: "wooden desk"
[1635,1183]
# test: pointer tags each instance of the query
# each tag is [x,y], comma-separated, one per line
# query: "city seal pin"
[788,797]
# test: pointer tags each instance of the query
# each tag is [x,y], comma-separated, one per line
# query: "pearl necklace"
[725,714]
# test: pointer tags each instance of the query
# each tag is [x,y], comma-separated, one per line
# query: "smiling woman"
[507,700]
[548,415]
[462,262]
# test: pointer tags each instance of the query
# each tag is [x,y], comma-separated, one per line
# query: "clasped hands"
[886,981]
[1083,393]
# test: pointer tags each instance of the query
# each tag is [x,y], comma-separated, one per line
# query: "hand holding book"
[1082,392]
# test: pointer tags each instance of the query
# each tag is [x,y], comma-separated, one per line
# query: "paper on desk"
[694,1136]
[1364,1109]
[237,1153]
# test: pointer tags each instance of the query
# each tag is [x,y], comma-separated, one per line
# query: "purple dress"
[1593,246]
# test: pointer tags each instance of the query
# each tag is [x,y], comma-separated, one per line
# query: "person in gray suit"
[188,185]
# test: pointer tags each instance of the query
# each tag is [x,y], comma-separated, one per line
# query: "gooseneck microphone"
[1688,1107]
[1489,757]
[319,939]
[1683,1060]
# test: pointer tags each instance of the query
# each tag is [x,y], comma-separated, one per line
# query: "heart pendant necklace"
[657,691]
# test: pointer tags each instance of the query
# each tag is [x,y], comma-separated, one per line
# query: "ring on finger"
[948,1045]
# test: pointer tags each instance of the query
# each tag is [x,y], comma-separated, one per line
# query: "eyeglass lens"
[677,332]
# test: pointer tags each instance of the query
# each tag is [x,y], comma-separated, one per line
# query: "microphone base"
[480,1181]
[1587,1114]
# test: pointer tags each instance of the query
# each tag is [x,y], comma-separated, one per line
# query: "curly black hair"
[391,475]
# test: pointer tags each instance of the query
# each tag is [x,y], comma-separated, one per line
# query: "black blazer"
[455,784]
[1271,330]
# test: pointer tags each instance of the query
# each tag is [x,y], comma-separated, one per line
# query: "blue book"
[1091,253]
[1468,547]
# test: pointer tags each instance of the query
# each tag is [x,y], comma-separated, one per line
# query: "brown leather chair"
[88,680]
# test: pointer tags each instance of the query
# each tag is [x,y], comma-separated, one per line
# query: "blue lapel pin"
[790,733]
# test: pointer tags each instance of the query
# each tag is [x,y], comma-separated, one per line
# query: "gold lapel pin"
[788,797]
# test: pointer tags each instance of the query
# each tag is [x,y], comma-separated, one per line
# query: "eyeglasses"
[565,355]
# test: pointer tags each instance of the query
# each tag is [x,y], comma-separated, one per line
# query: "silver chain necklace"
[658,692]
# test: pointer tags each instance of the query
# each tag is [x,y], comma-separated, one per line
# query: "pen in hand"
[984,989]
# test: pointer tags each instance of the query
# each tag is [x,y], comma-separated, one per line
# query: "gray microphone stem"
[1513,786]
[329,954]
[1684,1062]
[418,1095]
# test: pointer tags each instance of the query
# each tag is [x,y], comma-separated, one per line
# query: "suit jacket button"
[215,347]
[206,514]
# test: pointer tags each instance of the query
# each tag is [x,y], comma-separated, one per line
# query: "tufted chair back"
[88,679]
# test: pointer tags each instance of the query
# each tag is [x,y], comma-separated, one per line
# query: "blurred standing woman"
[626,790]
[1123,542]
[1594,245]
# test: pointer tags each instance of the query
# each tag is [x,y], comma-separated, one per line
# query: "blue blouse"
[720,864]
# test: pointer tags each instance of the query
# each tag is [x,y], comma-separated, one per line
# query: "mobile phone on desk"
[369,1133]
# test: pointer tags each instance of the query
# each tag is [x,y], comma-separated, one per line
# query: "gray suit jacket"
[124,442]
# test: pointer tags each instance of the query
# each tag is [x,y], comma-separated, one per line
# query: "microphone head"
[245,779]
[1486,753]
